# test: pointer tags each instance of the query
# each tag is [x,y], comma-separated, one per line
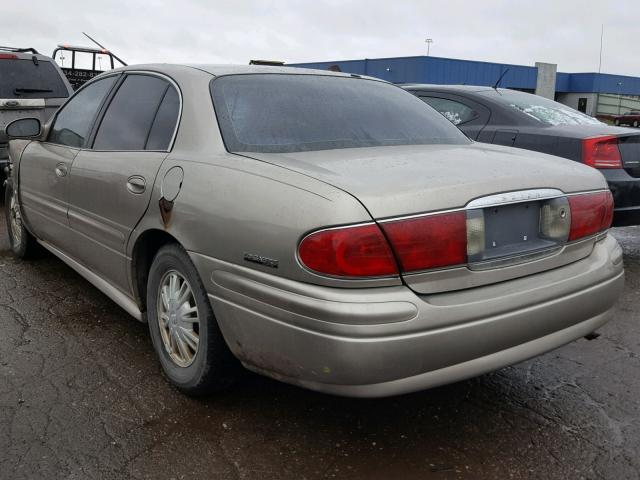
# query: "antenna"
[495,86]
[106,49]
[101,46]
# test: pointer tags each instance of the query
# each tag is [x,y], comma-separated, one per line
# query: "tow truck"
[81,64]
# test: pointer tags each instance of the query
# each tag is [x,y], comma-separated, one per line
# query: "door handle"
[136,184]
[61,170]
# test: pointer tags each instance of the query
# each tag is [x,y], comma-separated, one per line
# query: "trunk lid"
[405,180]
[628,141]
[629,145]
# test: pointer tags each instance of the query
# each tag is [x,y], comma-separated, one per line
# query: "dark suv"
[31,85]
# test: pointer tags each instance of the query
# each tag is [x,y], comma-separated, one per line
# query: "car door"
[44,166]
[468,115]
[110,184]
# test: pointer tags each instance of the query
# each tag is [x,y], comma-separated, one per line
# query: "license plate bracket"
[511,230]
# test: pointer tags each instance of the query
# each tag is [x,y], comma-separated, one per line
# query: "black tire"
[635,123]
[213,366]
[617,122]
[23,244]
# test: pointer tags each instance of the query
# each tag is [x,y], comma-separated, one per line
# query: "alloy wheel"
[178,318]
[16,220]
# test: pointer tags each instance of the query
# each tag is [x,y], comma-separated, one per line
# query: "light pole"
[601,39]
[619,98]
[428,41]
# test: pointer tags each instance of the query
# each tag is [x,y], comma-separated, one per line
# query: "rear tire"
[23,244]
[183,328]
[635,123]
[617,123]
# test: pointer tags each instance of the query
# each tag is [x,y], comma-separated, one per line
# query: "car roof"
[451,88]
[222,69]
[26,55]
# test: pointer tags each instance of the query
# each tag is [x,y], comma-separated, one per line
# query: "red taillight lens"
[429,242]
[591,213]
[601,152]
[7,56]
[359,251]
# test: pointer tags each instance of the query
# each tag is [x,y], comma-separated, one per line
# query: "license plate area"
[500,235]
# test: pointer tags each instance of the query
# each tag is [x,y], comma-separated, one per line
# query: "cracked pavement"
[82,396]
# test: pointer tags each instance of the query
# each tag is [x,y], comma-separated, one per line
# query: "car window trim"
[54,119]
[155,116]
[98,121]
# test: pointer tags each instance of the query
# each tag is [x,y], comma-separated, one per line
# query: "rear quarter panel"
[230,206]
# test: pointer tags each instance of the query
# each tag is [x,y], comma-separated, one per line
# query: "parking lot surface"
[82,396]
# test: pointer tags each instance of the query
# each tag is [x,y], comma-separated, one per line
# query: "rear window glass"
[540,108]
[278,113]
[25,79]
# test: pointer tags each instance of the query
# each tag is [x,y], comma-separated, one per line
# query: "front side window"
[73,123]
[456,112]
[127,123]
[277,113]
[541,109]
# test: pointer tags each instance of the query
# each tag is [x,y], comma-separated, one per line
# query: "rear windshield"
[26,79]
[540,108]
[278,113]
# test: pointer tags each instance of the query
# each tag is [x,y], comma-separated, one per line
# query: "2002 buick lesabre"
[327,230]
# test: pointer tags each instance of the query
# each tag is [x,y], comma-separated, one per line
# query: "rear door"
[466,114]
[111,183]
[44,166]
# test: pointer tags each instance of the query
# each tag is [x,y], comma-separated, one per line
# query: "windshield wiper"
[18,91]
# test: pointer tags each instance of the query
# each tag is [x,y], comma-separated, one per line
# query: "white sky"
[566,32]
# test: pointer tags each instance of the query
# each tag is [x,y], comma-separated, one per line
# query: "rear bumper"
[387,341]
[626,196]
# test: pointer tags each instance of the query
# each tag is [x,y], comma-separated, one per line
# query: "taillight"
[601,152]
[7,56]
[591,213]
[430,241]
[356,251]
[461,237]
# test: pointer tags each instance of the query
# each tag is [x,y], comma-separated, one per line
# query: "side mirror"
[23,128]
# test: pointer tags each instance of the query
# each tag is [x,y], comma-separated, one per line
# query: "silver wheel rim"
[16,220]
[178,319]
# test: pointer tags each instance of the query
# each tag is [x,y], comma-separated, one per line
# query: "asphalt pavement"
[82,397]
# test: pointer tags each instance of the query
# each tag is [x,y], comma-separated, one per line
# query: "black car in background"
[518,119]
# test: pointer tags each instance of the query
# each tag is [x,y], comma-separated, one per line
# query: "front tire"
[23,244]
[183,328]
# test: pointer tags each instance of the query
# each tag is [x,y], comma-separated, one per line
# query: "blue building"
[592,93]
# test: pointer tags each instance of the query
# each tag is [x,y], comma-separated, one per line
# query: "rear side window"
[27,79]
[277,113]
[456,112]
[128,121]
[73,124]
[165,122]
